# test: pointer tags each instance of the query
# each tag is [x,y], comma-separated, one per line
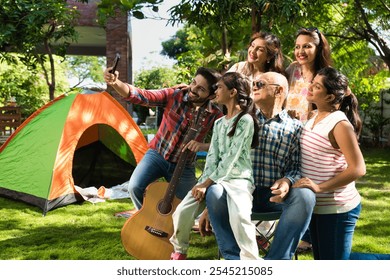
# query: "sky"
[147,35]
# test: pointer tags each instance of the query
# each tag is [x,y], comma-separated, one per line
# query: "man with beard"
[181,107]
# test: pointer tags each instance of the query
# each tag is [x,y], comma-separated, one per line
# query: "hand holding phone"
[117,57]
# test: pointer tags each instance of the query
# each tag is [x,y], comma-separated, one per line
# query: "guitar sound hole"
[164,207]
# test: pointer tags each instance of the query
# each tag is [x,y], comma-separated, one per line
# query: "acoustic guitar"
[146,234]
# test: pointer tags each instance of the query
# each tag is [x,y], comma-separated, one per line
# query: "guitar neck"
[166,204]
[170,194]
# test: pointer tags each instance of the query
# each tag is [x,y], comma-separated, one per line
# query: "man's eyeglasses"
[261,84]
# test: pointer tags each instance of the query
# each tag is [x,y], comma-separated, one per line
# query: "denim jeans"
[332,234]
[306,236]
[153,166]
[296,210]
[369,256]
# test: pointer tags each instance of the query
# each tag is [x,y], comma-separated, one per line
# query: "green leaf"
[138,15]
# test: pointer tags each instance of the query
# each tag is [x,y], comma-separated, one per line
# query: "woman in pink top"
[264,55]
[312,52]
[331,162]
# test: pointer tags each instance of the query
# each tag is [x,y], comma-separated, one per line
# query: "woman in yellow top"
[312,53]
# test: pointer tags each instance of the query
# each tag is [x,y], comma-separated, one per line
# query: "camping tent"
[77,139]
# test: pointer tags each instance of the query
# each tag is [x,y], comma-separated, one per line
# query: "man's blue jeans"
[153,166]
[332,234]
[296,210]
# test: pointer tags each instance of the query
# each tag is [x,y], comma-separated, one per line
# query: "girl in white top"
[228,163]
[331,162]
[311,52]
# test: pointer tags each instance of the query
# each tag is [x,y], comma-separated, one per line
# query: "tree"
[108,8]
[85,68]
[158,77]
[371,23]
[26,85]
[192,47]
[37,30]
[234,18]
[221,15]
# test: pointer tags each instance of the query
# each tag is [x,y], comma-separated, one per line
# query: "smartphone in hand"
[117,57]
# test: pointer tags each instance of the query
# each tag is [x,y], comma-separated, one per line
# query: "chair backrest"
[10,118]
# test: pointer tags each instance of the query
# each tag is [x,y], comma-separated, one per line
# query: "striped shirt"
[278,153]
[321,162]
[177,118]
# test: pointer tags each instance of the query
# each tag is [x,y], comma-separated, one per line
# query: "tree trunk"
[370,35]
[52,85]
[255,19]
[224,40]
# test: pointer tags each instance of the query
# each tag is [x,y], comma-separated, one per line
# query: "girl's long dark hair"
[337,84]
[243,87]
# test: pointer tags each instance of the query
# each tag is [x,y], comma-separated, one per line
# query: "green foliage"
[37,30]
[176,45]
[187,48]
[27,86]
[193,47]
[84,68]
[368,89]
[29,25]
[156,78]
[108,8]
[376,123]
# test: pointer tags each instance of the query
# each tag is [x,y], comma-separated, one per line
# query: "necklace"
[306,77]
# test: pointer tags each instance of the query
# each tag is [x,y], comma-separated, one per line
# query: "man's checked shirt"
[278,154]
[177,117]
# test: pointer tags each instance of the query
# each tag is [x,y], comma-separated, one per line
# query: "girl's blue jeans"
[332,234]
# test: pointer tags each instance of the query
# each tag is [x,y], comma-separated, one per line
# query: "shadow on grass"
[74,232]
[64,243]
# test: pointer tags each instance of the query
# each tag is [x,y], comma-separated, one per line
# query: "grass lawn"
[91,231]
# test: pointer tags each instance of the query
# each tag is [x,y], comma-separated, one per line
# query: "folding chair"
[266,238]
